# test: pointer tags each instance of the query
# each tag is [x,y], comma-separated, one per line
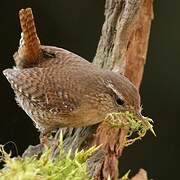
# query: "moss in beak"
[134,123]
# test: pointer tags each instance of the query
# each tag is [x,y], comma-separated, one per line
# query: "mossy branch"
[65,165]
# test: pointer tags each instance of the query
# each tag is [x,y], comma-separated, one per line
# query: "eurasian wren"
[58,88]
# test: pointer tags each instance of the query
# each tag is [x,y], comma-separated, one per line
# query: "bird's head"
[127,111]
[125,94]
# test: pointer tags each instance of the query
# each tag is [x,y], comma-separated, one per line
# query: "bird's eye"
[119,101]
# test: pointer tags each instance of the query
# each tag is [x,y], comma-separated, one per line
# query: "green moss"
[125,177]
[132,123]
[31,168]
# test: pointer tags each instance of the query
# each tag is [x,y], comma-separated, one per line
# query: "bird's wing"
[39,89]
[26,82]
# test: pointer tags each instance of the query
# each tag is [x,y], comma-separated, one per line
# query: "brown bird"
[58,88]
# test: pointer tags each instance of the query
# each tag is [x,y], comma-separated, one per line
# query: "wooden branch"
[138,43]
[120,17]
[141,175]
[122,47]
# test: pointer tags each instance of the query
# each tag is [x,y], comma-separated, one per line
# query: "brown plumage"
[57,88]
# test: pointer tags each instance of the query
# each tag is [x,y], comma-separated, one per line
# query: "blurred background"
[76,26]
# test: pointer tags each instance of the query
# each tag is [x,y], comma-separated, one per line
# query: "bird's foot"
[51,141]
[44,139]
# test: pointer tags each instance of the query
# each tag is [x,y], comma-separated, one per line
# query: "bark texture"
[122,48]
[141,175]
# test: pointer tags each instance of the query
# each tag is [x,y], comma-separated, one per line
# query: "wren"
[57,88]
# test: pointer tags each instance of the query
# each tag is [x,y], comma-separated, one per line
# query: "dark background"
[76,26]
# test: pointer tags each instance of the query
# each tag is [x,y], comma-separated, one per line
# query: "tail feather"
[30,47]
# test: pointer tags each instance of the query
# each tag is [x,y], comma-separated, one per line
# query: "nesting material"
[132,123]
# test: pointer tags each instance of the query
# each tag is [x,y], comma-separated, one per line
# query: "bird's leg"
[44,137]
[55,144]
[48,140]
